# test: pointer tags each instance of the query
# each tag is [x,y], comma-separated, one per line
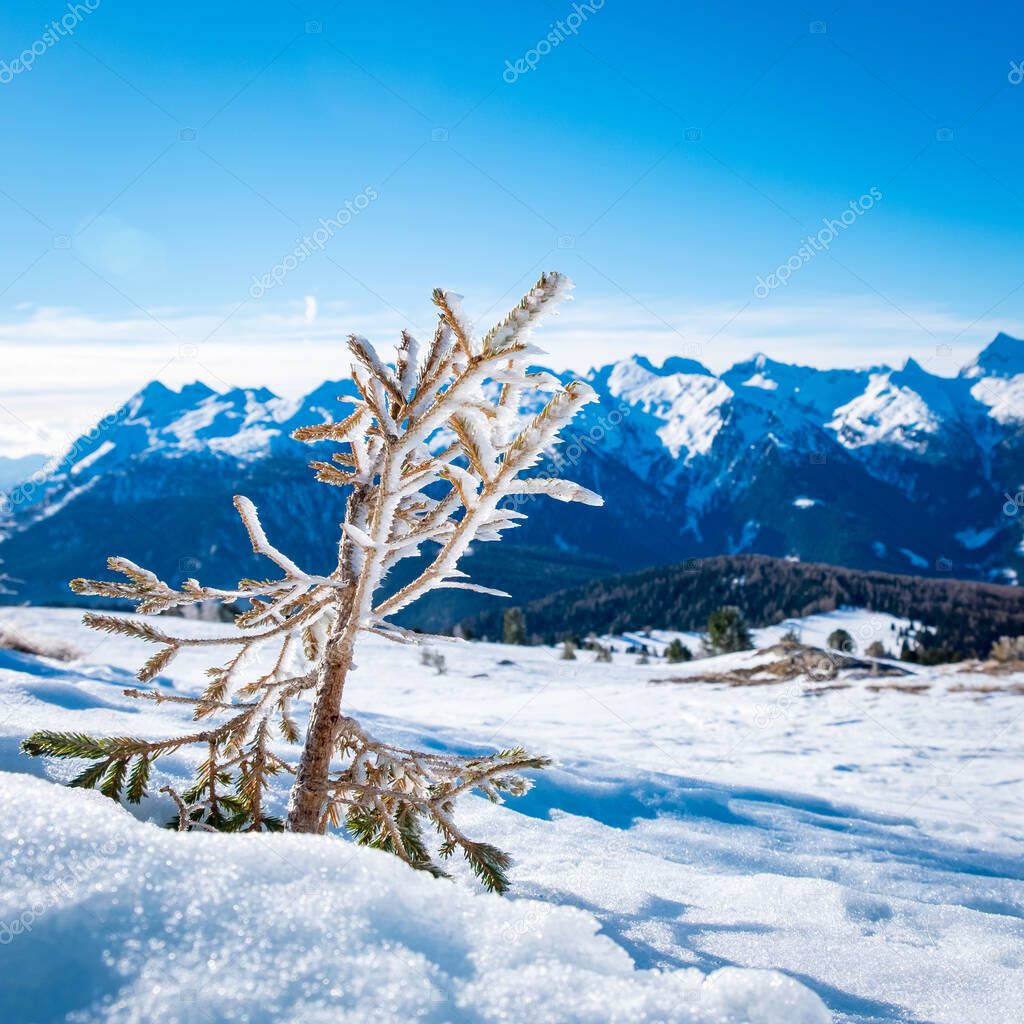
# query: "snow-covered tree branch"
[435,443]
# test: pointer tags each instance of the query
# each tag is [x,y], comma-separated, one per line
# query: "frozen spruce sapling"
[434,445]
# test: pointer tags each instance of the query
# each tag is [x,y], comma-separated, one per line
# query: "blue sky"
[668,156]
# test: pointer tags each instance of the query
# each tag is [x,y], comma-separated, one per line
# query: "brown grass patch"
[915,689]
[40,647]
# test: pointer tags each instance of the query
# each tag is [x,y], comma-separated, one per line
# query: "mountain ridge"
[893,469]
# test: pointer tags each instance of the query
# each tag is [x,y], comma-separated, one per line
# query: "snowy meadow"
[791,852]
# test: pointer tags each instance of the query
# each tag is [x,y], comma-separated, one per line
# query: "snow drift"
[107,918]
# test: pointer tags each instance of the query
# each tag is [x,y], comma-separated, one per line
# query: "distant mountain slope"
[895,470]
[17,469]
[968,615]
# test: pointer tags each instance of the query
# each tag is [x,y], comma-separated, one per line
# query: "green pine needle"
[64,744]
[138,779]
[490,865]
[113,781]
[89,778]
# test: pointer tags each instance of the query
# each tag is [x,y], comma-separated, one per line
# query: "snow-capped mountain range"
[879,468]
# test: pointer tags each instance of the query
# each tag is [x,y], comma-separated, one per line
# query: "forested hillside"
[966,617]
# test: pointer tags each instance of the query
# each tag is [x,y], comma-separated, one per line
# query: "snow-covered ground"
[864,627]
[864,842]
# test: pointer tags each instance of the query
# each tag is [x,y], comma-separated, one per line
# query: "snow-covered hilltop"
[880,468]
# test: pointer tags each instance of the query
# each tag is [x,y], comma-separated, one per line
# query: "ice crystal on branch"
[406,491]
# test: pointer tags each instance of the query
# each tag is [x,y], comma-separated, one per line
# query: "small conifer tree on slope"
[514,626]
[452,422]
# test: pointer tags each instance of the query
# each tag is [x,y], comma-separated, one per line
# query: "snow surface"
[690,404]
[759,380]
[94,456]
[813,630]
[973,539]
[914,558]
[1003,397]
[885,414]
[291,928]
[796,388]
[863,842]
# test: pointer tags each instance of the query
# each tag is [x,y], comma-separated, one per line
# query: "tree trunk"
[309,791]
[308,794]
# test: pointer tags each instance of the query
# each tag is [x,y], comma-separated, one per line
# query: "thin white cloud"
[63,369]
[841,333]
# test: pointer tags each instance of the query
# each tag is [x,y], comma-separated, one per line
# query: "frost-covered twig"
[406,489]
[185,812]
